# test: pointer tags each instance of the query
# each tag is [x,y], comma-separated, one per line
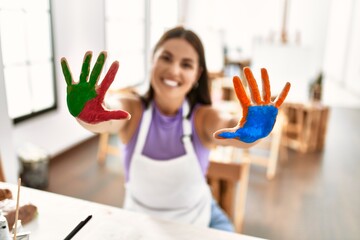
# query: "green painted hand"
[85,98]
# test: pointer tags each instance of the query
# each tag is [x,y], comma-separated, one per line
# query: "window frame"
[148,31]
[29,63]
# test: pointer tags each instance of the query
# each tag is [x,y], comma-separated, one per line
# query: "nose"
[174,69]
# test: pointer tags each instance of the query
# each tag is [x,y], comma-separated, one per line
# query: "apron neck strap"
[187,129]
[145,125]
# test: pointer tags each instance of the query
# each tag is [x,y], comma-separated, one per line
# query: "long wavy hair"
[200,93]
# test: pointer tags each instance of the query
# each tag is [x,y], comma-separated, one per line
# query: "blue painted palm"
[259,117]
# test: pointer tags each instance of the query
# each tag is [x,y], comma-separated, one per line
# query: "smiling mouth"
[171,83]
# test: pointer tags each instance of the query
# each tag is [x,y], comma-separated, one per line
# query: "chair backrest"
[267,152]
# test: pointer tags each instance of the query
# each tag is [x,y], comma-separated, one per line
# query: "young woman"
[172,128]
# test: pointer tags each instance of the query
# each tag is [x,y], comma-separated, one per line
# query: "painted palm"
[259,113]
[85,98]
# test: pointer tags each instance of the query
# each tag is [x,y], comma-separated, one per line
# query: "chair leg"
[103,147]
[215,189]
[228,192]
[274,154]
[241,194]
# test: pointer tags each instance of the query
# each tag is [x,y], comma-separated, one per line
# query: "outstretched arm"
[259,112]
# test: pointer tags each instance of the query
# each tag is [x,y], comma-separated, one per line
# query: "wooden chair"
[229,182]
[106,148]
[268,151]
[112,102]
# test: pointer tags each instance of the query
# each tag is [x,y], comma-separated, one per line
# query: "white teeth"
[171,83]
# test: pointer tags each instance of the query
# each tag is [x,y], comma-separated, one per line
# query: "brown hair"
[200,93]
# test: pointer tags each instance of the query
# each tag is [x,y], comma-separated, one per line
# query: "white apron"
[173,190]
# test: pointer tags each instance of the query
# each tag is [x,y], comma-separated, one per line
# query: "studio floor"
[313,196]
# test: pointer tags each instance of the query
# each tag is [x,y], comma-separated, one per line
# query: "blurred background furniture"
[229,183]
[268,151]
[306,126]
[106,148]
[229,170]
[112,102]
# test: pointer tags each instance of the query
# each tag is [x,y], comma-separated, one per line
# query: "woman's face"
[175,68]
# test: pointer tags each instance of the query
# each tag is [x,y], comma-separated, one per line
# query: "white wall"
[78,27]
[342,53]
[7,156]
[231,23]
[323,36]
[337,46]
[352,69]
[255,28]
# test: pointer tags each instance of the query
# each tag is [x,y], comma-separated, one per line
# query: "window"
[125,40]
[131,29]
[27,57]
[164,14]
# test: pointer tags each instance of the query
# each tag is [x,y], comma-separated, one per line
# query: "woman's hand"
[85,98]
[258,117]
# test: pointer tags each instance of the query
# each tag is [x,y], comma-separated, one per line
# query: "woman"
[172,128]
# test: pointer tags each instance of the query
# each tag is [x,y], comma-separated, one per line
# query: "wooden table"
[58,215]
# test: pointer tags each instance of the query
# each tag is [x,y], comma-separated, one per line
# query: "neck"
[169,107]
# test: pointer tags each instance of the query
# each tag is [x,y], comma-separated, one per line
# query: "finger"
[227,135]
[95,73]
[265,86]
[240,92]
[255,94]
[242,96]
[85,67]
[280,99]
[219,134]
[118,114]
[66,71]
[109,78]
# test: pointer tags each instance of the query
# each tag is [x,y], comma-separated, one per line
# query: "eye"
[187,65]
[165,57]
